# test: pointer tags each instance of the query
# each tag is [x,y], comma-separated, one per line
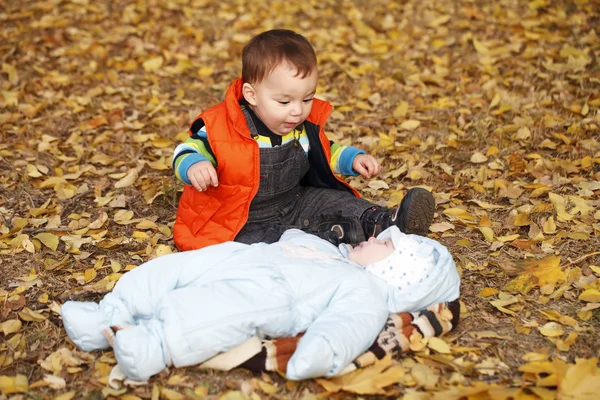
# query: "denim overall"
[282,203]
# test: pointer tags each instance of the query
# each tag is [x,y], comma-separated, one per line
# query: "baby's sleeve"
[344,330]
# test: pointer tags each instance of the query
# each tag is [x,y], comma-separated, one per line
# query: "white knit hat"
[410,264]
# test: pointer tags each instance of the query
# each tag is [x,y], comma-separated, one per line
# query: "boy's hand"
[202,175]
[366,165]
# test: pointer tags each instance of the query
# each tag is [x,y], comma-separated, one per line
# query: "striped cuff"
[346,159]
[186,163]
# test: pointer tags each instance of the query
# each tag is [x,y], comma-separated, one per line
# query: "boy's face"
[282,100]
[371,251]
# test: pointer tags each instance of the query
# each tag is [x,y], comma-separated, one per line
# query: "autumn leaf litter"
[492,106]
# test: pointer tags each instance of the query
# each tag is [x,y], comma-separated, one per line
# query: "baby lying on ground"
[185,308]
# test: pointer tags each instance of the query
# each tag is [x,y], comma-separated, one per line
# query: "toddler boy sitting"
[260,163]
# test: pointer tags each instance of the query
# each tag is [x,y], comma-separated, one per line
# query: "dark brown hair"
[265,51]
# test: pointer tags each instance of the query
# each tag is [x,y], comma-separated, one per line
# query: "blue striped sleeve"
[186,163]
[345,160]
[196,148]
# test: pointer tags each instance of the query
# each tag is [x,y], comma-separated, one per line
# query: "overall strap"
[253,130]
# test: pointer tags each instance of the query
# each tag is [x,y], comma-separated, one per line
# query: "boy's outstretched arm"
[350,161]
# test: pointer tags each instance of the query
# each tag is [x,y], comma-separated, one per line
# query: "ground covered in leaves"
[492,105]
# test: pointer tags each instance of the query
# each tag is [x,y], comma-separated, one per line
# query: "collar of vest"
[318,115]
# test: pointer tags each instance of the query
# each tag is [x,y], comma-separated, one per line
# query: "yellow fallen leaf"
[559,204]
[424,376]
[267,387]
[10,98]
[464,242]
[163,249]
[441,227]
[162,143]
[31,316]
[522,220]
[11,326]
[551,329]
[523,133]
[485,205]
[153,63]
[401,110]
[89,275]
[65,396]
[146,224]
[99,222]
[13,384]
[54,382]
[176,380]
[459,213]
[541,392]
[590,295]
[487,232]
[488,335]
[438,345]
[370,380]
[28,244]
[565,345]
[49,240]
[478,158]
[554,315]
[123,217]
[165,230]
[43,298]
[140,235]
[502,303]
[13,76]
[65,191]
[410,125]
[581,381]
[170,394]
[536,273]
[487,292]
[549,226]
[482,49]
[533,356]
[205,71]
[128,179]
[378,184]
[539,367]
[508,238]
[32,171]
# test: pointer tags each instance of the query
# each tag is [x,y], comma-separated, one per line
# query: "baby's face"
[283,100]
[371,251]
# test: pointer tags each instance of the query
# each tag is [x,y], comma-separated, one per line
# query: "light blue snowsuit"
[187,307]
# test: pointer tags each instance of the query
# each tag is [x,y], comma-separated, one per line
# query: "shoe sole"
[415,213]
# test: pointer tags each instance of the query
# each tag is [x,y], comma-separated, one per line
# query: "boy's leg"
[329,210]
[262,232]
[270,233]
[359,219]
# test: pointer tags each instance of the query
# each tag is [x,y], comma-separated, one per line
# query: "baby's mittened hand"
[366,165]
[202,175]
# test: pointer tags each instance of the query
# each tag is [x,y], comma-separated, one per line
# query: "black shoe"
[336,232]
[413,216]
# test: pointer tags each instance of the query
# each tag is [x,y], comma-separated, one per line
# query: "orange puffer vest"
[219,213]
